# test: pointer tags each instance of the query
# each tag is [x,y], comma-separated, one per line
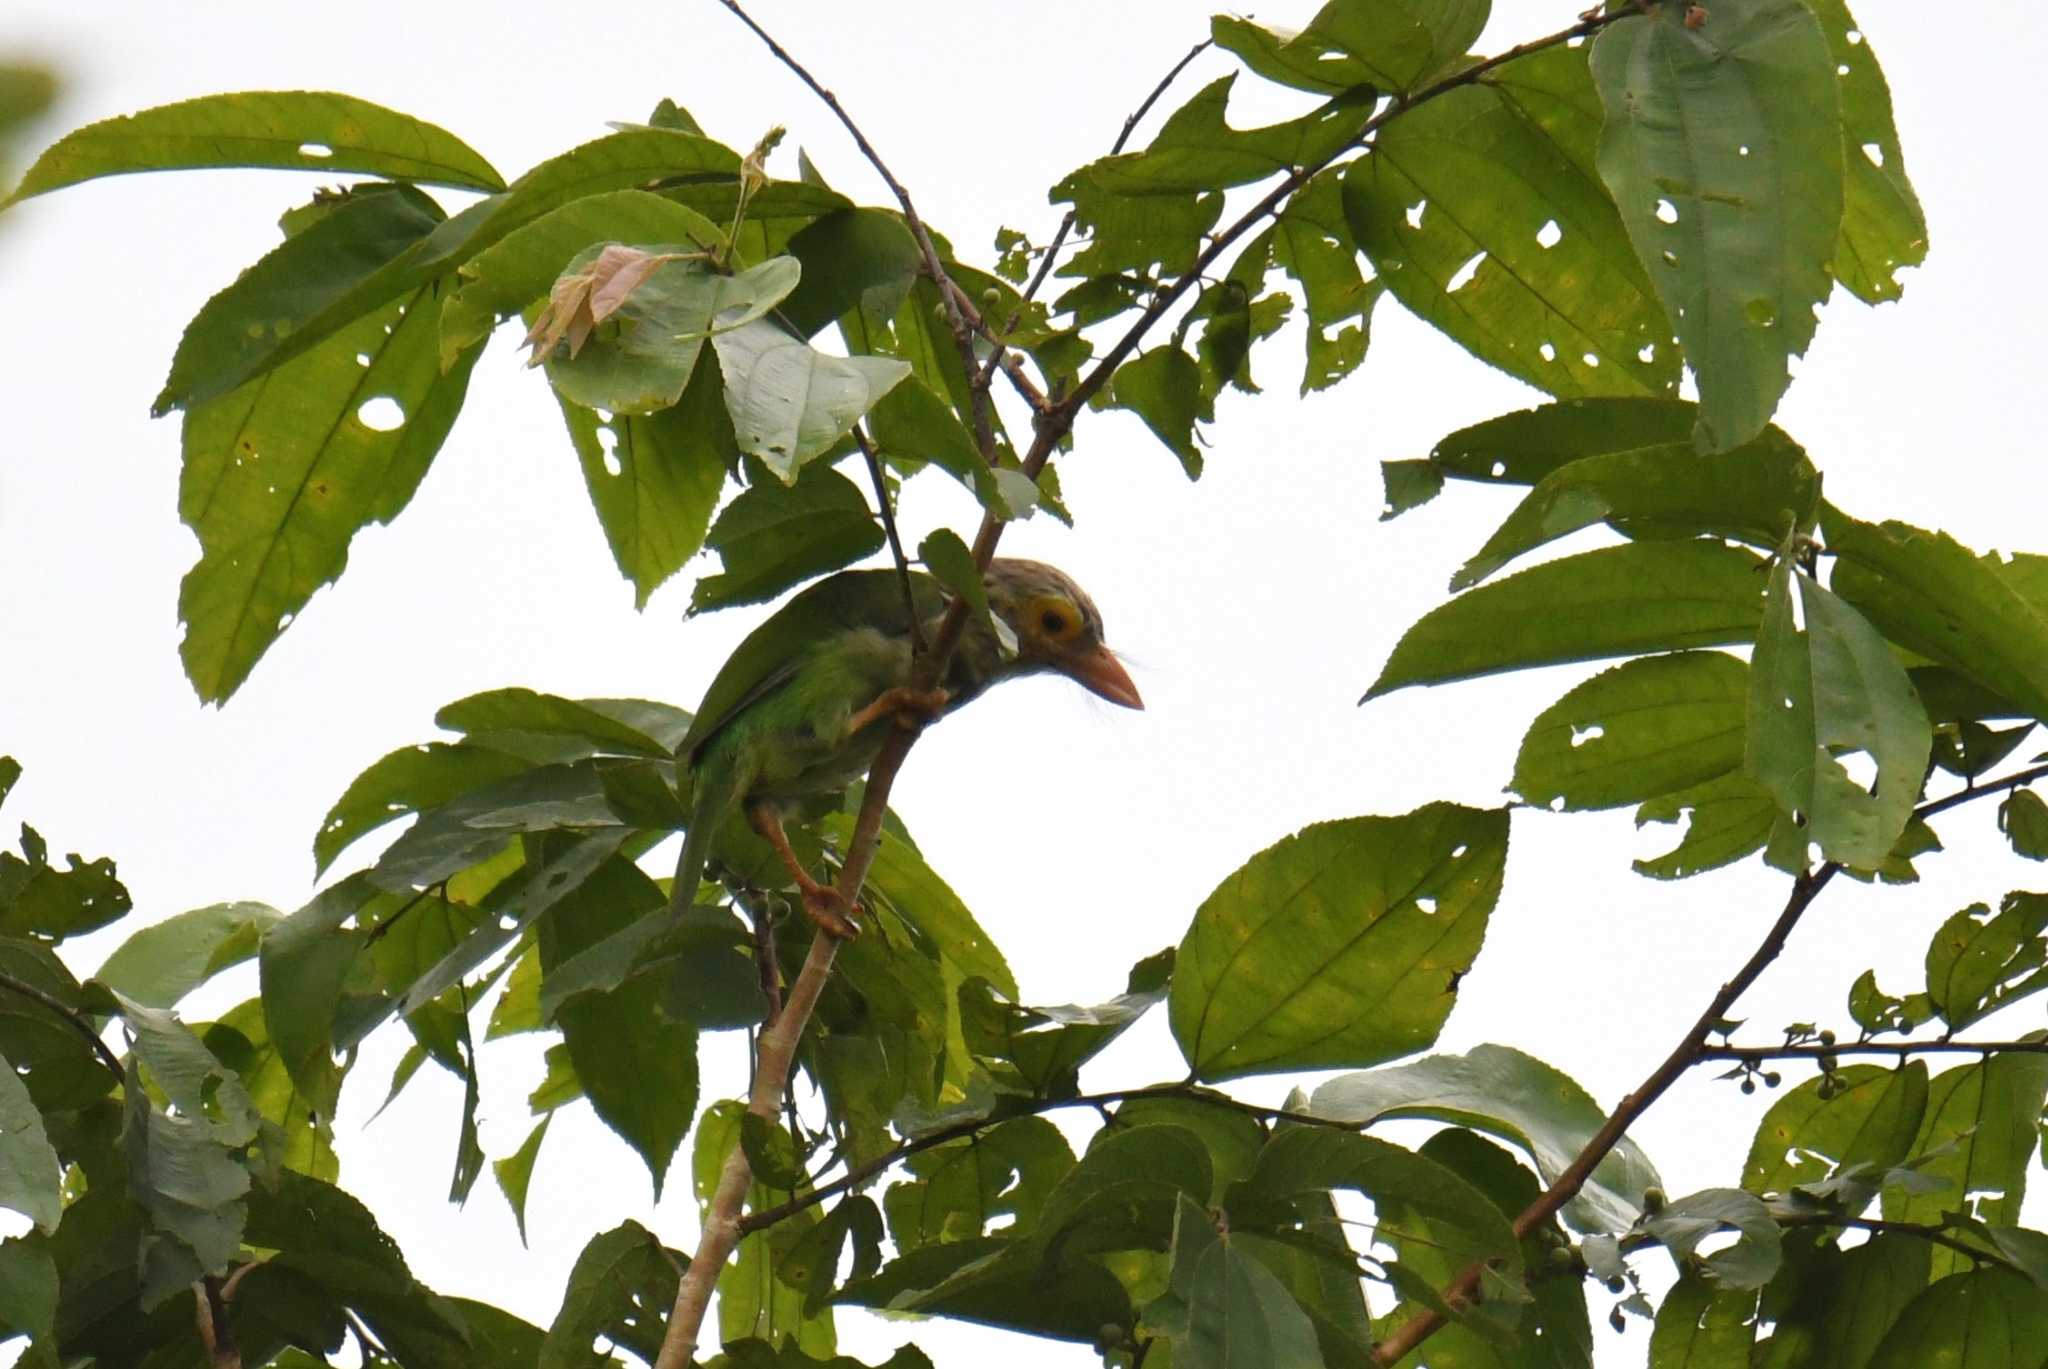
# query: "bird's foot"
[912,708]
[830,910]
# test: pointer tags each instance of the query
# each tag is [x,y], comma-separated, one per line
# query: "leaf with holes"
[790,402]
[1341,945]
[37,899]
[655,478]
[1304,61]
[1834,688]
[2023,817]
[620,1289]
[1725,819]
[1222,1308]
[1401,41]
[1723,149]
[1513,1096]
[1312,243]
[1617,601]
[298,130]
[1759,493]
[166,960]
[1482,213]
[1643,729]
[1978,1136]
[1882,226]
[281,474]
[31,1176]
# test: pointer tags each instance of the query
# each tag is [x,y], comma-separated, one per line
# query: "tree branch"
[888,511]
[78,1021]
[1900,1050]
[1935,1234]
[949,295]
[1805,888]
[1270,203]
[1691,1050]
[1052,249]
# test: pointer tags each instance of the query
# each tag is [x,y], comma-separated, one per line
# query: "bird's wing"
[769,656]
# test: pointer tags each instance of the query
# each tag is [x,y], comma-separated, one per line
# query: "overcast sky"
[1255,606]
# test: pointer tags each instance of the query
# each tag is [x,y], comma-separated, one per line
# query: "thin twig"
[1901,1050]
[963,339]
[1689,1052]
[860,1174]
[78,1021]
[1052,249]
[888,510]
[1875,1226]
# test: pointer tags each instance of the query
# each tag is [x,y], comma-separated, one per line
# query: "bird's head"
[1057,627]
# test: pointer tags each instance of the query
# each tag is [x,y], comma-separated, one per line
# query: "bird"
[804,704]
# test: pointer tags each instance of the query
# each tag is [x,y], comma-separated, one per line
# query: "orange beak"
[1101,673]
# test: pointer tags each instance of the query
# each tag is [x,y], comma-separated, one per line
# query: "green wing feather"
[771,652]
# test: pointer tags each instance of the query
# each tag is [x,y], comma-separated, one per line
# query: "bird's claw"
[830,910]
[911,708]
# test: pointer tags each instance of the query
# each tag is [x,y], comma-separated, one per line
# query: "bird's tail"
[717,787]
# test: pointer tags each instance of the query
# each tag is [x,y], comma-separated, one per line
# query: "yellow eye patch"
[1053,618]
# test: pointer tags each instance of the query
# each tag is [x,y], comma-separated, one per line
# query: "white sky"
[1256,606]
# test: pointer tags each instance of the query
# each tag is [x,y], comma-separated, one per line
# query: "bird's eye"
[1053,621]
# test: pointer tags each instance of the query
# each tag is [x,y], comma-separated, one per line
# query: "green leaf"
[1340,945]
[912,424]
[304,1137]
[2023,817]
[771,1152]
[1877,1011]
[38,899]
[1882,226]
[1196,149]
[1702,1326]
[1983,1319]
[1312,243]
[1524,447]
[1725,819]
[1047,1046]
[1723,150]
[1222,1308]
[972,1280]
[811,1265]
[556,729]
[1401,41]
[952,564]
[1409,485]
[166,960]
[1164,388]
[954,1191]
[1979,1132]
[901,880]
[1305,61]
[1513,1096]
[1683,1223]
[31,1176]
[304,961]
[2028,1251]
[641,358]
[295,130]
[411,779]
[1617,601]
[1980,615]
[281,474]
[1977,964]
[638,1068]
[654,479]
[346,262]
[521,266]
[621,1288]
[1759,493]
[1816,695]
[853,259]
[1865,1123]
[10,771]
[790,402]
[1846,1301]
[1312,1159]
[1646,728]
[28,1296]
[1482,213]
[774,536]
[48,1054]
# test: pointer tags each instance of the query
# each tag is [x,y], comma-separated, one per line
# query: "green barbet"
[802,707]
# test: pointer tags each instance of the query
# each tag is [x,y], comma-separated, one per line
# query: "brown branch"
[1901,1050]
[888,510]
[861,1173]
[1690,1051]
[1052,249]
[77,1021]
[949,297]
[1935,1234]
[1269,204]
